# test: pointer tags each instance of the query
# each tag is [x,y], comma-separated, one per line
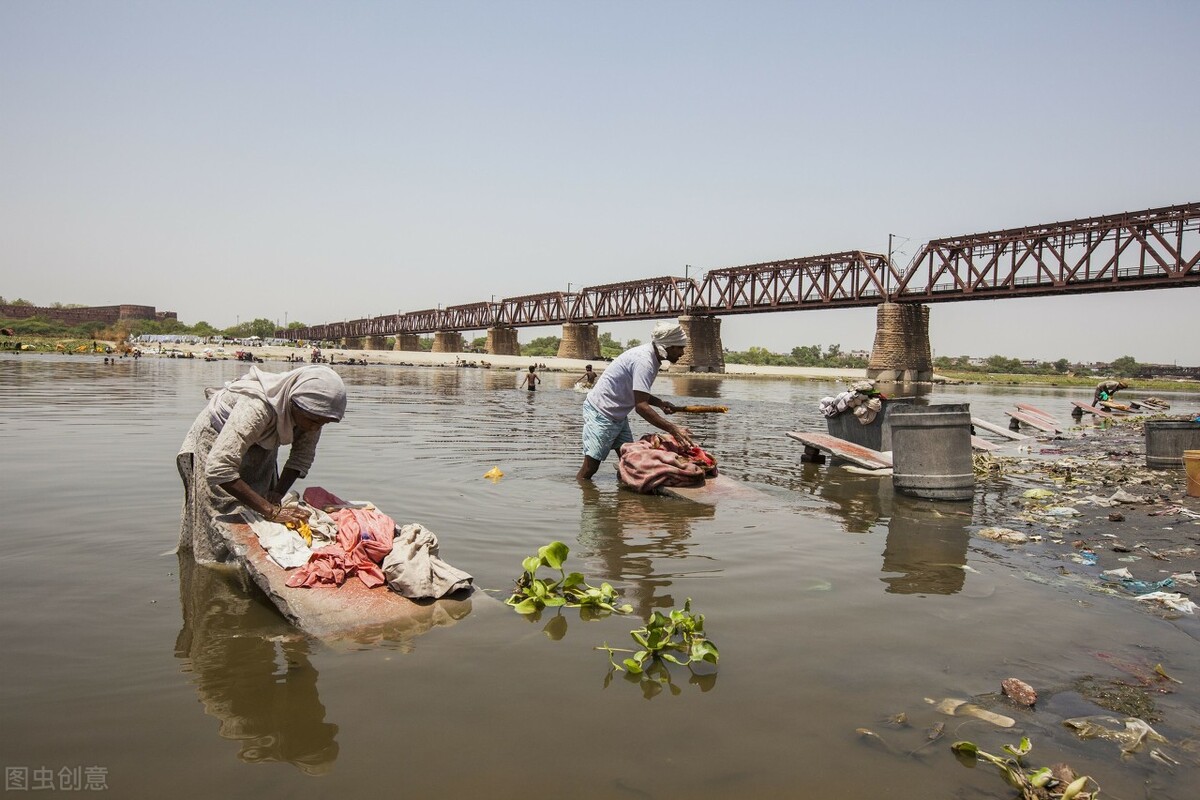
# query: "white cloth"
[414,570]
[667,334]
[314,388]
[284,546]
[633,370]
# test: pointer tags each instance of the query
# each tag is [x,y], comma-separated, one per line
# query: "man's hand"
[683,436]
[668,407]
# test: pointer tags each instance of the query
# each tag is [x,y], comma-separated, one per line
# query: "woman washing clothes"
[229,458]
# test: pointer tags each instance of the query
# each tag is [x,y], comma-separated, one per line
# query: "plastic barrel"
[1191,462]
[931,451]
[1167,439]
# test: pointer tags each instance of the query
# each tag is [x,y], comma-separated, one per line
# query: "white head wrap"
[316,389]
[667,334]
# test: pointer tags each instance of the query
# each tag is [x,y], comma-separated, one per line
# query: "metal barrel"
[1167,439]
[931,451]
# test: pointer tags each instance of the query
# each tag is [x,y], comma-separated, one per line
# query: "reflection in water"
[926,547]
[684,386]
[623,532]
[861,501]
[252,671]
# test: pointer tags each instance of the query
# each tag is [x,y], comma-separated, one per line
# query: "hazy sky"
[318,161]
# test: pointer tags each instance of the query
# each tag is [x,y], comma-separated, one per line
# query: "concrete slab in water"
[349,611]
[847,451]
[713,490]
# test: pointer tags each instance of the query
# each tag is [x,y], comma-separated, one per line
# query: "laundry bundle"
[861,399]
[656,460]
[355,539]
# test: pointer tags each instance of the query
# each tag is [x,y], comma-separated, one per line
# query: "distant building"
[104,315]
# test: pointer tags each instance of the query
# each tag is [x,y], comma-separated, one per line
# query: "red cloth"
[656,460]
[323,499]
[364,539]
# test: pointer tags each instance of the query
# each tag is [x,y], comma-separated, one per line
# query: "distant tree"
[1061,366]
[809,356]
[20,301]
[632,343]
[295,324]
[609,347]
[426,343]
[202,328]
[479,344]
[1002,364]
[1125,365]
[542,346]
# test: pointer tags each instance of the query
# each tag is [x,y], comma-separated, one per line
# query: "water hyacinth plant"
[531,593]
[1040,784]
[677,638]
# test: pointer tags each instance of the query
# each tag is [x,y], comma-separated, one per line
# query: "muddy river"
[836,605]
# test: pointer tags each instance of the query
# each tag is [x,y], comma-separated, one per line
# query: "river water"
[835,605]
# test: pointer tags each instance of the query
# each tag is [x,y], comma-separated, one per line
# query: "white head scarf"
[667,334]
[316,389]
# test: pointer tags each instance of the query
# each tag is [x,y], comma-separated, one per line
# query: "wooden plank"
[349,611]
[1035,411]
[1116,408]
[983,444]
[1091,409]
[996,429]
[1034,421]
[847,451]
[714,489]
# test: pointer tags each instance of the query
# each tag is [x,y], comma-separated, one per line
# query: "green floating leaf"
[555,602]
[572,580]
[554,554]
[633,666]
[531,564]
[1021,749]
[529,605]
[966,748]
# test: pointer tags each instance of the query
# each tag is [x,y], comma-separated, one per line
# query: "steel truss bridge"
[1157,248]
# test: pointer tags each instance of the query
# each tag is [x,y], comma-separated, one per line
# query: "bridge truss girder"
[1155,248]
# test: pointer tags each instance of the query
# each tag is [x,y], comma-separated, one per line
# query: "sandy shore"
[552,363]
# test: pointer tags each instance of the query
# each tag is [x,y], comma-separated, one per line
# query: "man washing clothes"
[624,386]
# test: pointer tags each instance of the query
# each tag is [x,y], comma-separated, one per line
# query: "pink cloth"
[645,467]
[364,539]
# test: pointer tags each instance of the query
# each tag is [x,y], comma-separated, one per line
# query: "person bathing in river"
[625,386]
[589,377]
[229,458]
[531,379]
[1106,390]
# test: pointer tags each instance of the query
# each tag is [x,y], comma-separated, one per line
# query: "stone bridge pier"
[447,342]
[502,341]
[580,340]
[901,353]
[374,343]
[409,342]
[704,352]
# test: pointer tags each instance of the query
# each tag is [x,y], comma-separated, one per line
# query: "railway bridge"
[1157,248]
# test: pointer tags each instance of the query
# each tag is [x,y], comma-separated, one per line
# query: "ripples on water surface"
[835,605]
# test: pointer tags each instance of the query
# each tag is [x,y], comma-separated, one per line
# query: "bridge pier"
[901,352]
[447,342]
[409,342]
[350,343]
[580,340]
[703,352]
[502,341]
[374,343]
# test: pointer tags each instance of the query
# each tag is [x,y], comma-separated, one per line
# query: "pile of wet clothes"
[658,460]
[346,539]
